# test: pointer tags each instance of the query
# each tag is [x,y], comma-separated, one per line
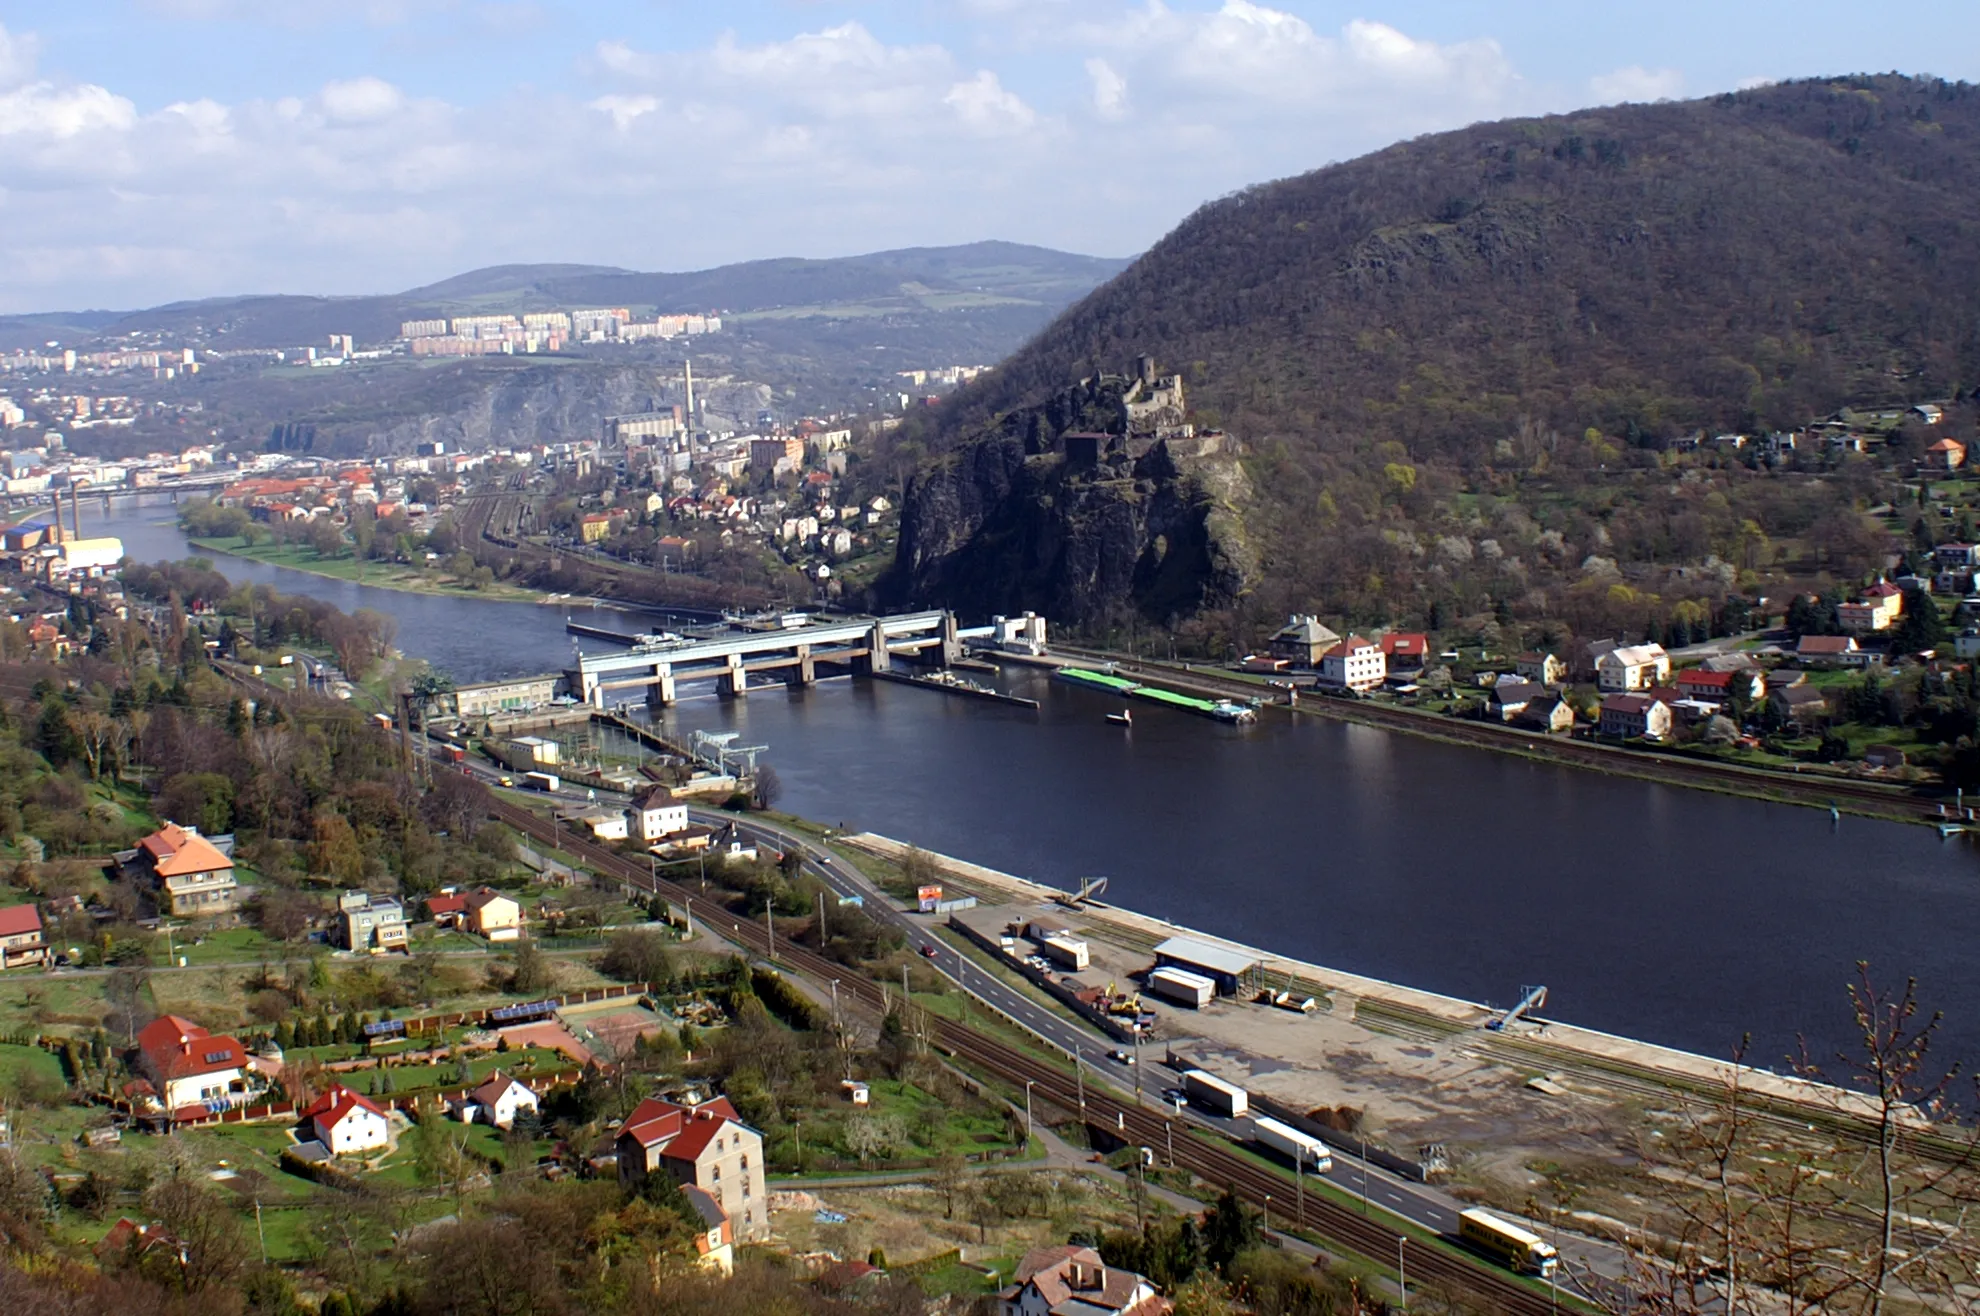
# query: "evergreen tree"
[1229,1229]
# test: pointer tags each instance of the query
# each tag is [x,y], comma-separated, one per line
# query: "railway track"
[1173,1139]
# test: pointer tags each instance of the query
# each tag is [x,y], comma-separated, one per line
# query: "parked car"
[1121,1057]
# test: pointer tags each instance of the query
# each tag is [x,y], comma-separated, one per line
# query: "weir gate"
[862,645]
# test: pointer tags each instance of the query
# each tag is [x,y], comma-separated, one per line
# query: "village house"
[191,1070]
[370,923]
[499,1100]
[1405,651]
[1588,658]
[1074,1281]
[658,814]
[594,527]
[604,825]
[346,1123]
[1832,650]
[1799,704]
[1945,455]
[448,909]
[1717,687]
[1302,640]
[1543,668]
[21,941]
[1510,696]
[1635,717]
[1633,667]
[192,877]
[1353,664]
[706,1145]
[1548,713]
[488,913]
[716,1243]
[1878,610]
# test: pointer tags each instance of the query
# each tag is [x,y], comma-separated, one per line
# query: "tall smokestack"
[690,397]
[75,510]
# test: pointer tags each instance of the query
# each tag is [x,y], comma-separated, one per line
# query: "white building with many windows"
[1354,664]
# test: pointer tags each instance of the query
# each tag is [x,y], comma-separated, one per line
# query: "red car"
[929,951]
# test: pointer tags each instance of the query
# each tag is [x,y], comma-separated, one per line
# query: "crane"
[1530,998]
[1088,888]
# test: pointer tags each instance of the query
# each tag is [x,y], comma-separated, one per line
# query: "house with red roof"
[1717,687]
[21,942]
[1072,1279]
[447,909]
[193,878]
[1354,664]
[706,1145]
[1406,651]
[194,1071]
[346,1122]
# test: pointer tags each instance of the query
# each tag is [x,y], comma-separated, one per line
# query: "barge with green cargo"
[1222,710]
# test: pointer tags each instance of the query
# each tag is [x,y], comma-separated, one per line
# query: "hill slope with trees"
[1508,310]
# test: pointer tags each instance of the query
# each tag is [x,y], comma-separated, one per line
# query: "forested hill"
[1748,260]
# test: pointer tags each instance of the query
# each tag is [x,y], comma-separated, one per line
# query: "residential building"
[658,814]
[604,825]
[1302,640]
[370,923]
[1837,650]
[716,1242]
[1548,713]
[1405,651]
[1074,1281]
[1799,704]
[1951,557]
[1633,667]
[1718,687]
[346,1122]
[192,1070]
[778,456]
[1945,455]
[499,1101]
[447,909]
[1354,664]
[1543,668]
[1509,697]
[594,526]
[21,940]
[1878,610]
[706,1145]
[192,876]
[489,913]
[1635,717]
[1967,643]
[1588,658]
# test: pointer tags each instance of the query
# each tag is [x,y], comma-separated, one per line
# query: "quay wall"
[1572,1043]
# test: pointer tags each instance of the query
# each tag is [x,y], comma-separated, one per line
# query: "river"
[1675,916]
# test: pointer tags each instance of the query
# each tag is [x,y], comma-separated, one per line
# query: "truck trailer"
[1214,1094]
[1182,987]
[1064,951]
[542,781]
[1301,1148]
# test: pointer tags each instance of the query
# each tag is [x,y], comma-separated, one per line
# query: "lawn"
[923,1126]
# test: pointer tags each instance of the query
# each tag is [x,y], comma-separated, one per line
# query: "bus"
[1511,1245]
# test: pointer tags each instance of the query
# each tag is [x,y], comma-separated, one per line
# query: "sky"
[158,150]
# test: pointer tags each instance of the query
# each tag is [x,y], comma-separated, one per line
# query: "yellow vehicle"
[508,781]
[1511,1245]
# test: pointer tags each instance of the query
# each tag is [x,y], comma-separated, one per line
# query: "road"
[1371,1185]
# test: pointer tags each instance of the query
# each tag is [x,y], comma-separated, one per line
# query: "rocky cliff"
[1087,527]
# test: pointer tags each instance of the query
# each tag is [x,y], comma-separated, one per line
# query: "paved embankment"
[1572,1046]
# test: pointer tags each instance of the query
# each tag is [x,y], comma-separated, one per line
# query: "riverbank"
[1891,803]
[378,575]
[1541,1047]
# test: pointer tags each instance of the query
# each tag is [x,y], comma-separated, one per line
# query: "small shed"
[1229,968]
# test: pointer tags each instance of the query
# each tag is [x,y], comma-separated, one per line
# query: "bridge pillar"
[951,645]
[661,692]
[735,682]
[882,659]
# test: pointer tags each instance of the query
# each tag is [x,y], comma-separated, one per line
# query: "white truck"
[1214,1094]
[1300,1148]
[1182,987]
[543,781]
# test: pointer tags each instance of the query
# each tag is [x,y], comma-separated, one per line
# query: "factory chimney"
[75,510]
[690,397]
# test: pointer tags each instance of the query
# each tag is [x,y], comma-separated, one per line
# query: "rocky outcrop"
[1087,539]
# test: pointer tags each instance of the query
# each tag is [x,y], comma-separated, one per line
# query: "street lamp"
[1027,1114]
[1402,1270]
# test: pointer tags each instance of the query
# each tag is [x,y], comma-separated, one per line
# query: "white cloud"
[1636,84]
[18,55]
[985,106]
[1110,98]
[43,112]
[361,100]
[625,109]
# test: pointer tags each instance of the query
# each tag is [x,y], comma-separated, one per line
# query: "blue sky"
[159,149]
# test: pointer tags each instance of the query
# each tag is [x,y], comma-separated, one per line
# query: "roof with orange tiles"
[176,851]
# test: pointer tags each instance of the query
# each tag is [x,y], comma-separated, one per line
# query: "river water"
[1675,916]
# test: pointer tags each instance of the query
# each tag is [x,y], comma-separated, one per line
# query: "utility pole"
[1079,1071]
[1027,1114]
[1402,1270]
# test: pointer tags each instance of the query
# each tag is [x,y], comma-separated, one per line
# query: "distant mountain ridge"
[924,280]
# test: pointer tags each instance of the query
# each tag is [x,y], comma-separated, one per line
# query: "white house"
[1074,1279]
[347,1123]
[497,1101]
[189,1067]
[1633,667]
[1354,664]
[657,814]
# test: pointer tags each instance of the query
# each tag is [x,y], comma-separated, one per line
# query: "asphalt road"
[1417,1203]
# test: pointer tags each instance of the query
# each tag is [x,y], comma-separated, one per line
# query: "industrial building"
[1232,970]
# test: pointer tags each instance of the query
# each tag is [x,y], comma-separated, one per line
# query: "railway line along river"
[1680,917]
